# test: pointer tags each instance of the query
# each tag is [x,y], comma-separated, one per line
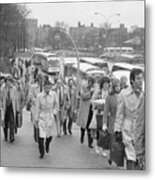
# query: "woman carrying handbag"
[109,120]
[98,101]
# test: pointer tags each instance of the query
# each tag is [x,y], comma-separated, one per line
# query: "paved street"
[65,151]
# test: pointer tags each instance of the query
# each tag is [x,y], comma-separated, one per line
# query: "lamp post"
[107,20]
[78,60]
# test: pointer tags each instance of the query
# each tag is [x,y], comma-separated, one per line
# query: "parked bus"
[114,51]
[49,62]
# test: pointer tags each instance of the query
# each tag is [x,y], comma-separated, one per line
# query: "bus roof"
[70,60]
[45,54]
[92,60]
[84,67]
[96,71]
[128,66]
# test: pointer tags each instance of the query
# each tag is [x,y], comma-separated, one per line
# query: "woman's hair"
[114,83]
[91,79]
[70,80]
[103,80]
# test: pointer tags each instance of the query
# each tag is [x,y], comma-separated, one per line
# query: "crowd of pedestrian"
[110,111]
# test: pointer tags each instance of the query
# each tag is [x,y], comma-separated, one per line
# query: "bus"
[49,62]
[114,51]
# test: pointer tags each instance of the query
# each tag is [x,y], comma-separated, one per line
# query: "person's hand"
[104,127]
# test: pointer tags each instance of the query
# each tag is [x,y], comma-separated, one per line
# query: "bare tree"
[12,25]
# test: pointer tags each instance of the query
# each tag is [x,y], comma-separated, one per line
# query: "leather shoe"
[12,140]
[82,140]
[70,132]
[90,146]
[41,156]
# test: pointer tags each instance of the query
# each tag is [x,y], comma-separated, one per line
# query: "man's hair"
[134,73]
[47,83]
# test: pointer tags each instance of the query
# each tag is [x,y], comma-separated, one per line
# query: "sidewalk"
[65,152]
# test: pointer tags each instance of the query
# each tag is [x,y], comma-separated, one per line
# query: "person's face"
[90,84]
[70,83]
[117,88]
[124,81]
[106,86]
[47,89]
[138,82]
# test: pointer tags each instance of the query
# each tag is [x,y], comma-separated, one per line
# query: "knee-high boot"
[64,127]
[48,140]
[41,147]
[130,165]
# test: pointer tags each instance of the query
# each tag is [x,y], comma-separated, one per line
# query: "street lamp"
[107,20]
[78,60]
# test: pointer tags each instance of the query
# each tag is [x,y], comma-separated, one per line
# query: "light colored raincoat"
[46,108]
[125,120]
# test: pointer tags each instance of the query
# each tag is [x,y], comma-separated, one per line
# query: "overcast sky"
[131,13]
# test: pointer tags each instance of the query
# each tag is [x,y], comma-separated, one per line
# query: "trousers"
[9,123]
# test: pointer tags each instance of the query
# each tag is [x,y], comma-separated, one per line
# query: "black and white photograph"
[73,85]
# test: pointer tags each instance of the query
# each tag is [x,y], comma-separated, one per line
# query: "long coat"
[66,104]
[85,101]
[110,110]
[21,102]
[33,92]
[98,94]
[72,95]
[140,128]
[47,107]
[125,120]
[13,96]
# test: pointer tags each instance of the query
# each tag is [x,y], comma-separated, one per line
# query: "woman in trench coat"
[85,112]
[46,109]
[110,110]
[99,94]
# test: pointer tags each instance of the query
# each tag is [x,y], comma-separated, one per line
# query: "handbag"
[117,151]
[99,121]
[36,133]
[104,139]
[28,107]
[18,120]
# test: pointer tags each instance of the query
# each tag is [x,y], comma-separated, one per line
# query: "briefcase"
[28,106]
[36,133]
[99,121]
[18,120]
[117,151]
[104,139]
